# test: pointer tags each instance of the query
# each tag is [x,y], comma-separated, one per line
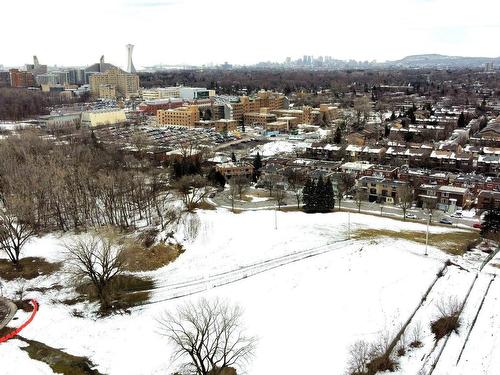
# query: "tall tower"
[130,65]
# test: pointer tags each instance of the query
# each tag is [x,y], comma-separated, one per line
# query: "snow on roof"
[453,189]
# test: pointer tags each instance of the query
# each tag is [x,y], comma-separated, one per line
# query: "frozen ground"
[334,293]
[279,147]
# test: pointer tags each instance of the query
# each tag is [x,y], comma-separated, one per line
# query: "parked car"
[445,220]
[457,214]
[411,216]
[476,225]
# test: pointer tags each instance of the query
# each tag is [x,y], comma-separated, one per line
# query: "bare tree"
[242,183]
[280,195]
[359,197]
[345,183]
[14,234]
[405,199]
[209,335]
[98,259]
[362,107]
[193,189]
[296,181]
[359,356]
[233,192]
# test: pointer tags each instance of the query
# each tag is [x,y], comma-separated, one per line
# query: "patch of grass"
[380,364]
[444,326]
[416,344]
[28,268]
[456,242]
[126,291]
[139,258]
[204,205]
[59,361]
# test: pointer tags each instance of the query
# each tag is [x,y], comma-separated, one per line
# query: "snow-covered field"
[279,147]
[306,313]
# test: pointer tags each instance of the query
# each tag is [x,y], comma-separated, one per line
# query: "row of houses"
[479,159]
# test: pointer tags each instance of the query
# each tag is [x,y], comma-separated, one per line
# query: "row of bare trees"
[63,186]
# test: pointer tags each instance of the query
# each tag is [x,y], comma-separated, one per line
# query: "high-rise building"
[20,78]
[36,68]
[183,116]
[126,85]
[4,78]
[76,76]
[130,64]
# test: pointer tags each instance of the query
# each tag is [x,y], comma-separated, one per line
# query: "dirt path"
[7,311]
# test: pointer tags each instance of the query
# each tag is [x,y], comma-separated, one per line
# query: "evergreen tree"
[387,130]
[319,196]
[329,195]
[393,116]
[257,165]
[257,162]
[461,121]
[307,195]
[491,223]
[338,136]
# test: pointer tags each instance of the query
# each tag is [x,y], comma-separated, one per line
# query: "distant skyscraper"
[130,65]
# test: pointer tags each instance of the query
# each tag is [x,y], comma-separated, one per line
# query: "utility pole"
[276,217]
[427,235]
[348,225]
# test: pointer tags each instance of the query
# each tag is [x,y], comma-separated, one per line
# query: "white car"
[411,216]
[457,214]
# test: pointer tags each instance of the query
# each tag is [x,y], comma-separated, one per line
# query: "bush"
[448,318]
[416,336]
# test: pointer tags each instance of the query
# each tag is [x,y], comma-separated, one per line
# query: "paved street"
[223,199]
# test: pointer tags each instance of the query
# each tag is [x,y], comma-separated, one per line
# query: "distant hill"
[442,61]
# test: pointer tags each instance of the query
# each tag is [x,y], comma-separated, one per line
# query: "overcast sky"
[62,32]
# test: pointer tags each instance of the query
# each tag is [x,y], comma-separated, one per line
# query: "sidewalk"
[7,311]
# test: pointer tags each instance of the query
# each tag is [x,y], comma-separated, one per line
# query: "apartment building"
[260,118]
[263,99]
[126,84]
[382,190]
[20,78]
[100,117]
[231,169]
[185,93]
[182,116]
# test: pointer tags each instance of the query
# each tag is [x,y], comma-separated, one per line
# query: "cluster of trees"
[18,104]
[62,186]
[491,223]
[318,196]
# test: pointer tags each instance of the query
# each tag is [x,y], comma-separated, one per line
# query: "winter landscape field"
[313,269]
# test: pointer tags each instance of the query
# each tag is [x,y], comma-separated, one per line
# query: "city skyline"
[360,30]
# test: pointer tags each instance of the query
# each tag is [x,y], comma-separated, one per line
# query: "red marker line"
[24,325]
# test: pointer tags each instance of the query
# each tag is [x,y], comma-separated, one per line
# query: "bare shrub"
[359,356]
[448,317]
[401,346]
[192,225]
[209,335]
[416,336]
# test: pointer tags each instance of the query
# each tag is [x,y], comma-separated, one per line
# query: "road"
[222,199]
[395,211]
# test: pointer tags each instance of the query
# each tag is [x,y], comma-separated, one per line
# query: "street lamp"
[427,234]
[348,225]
